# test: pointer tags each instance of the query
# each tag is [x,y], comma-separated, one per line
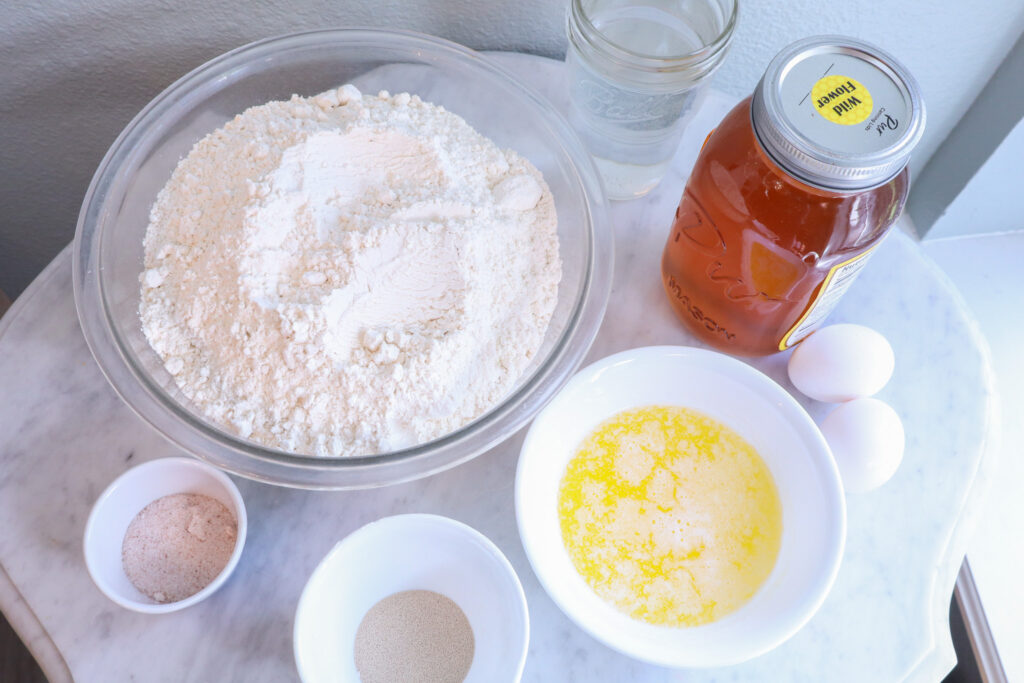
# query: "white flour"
[349,274]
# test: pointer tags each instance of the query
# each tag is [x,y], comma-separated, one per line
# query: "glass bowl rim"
[210,443]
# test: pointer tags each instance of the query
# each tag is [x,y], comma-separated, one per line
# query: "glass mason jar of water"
[637,69]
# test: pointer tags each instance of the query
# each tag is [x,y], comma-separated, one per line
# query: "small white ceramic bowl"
[412,552]
[813,506]
[115,509]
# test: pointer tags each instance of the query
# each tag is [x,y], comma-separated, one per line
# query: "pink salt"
[177,545]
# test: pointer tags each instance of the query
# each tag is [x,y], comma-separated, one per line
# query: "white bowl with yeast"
[403,553]
[770,420]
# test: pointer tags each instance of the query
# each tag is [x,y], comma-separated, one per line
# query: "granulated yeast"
[417,635]
[177,545]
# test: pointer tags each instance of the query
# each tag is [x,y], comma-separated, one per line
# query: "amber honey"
[790,194]
[751,246]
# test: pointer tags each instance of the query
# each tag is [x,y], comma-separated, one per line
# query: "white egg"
[866,437]
[842,362]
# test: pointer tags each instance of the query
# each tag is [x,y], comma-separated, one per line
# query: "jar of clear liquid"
[637,70]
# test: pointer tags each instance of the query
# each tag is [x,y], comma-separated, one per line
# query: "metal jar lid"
[838,113]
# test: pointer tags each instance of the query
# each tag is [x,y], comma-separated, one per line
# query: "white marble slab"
[987,270]
[64,435]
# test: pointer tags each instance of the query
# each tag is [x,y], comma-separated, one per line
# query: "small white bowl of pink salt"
[165,535]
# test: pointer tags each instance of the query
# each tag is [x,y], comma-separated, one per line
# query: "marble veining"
[64,435]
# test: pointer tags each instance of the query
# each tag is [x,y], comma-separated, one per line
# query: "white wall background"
[74,72]
[990,202]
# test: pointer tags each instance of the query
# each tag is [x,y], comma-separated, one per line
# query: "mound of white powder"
[349,274]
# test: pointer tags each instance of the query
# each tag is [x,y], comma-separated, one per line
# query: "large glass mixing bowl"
[109,254]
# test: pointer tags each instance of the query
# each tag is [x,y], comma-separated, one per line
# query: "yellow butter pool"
[670,516]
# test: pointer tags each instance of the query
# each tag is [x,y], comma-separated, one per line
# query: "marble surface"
[986,270]
[64,435]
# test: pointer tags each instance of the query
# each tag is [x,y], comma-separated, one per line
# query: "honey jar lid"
[838,113]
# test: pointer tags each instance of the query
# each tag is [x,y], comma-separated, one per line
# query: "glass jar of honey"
[791,193]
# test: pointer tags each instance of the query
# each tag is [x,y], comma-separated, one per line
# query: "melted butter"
[670,516]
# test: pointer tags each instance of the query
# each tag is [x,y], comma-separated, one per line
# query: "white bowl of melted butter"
[681,507]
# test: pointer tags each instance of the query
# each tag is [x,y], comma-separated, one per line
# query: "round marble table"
[64,435]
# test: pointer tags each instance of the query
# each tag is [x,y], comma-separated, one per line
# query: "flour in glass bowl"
[349,274]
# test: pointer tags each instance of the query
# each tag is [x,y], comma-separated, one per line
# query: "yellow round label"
[841,99]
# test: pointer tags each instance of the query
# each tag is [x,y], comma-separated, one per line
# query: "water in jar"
[632,120]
